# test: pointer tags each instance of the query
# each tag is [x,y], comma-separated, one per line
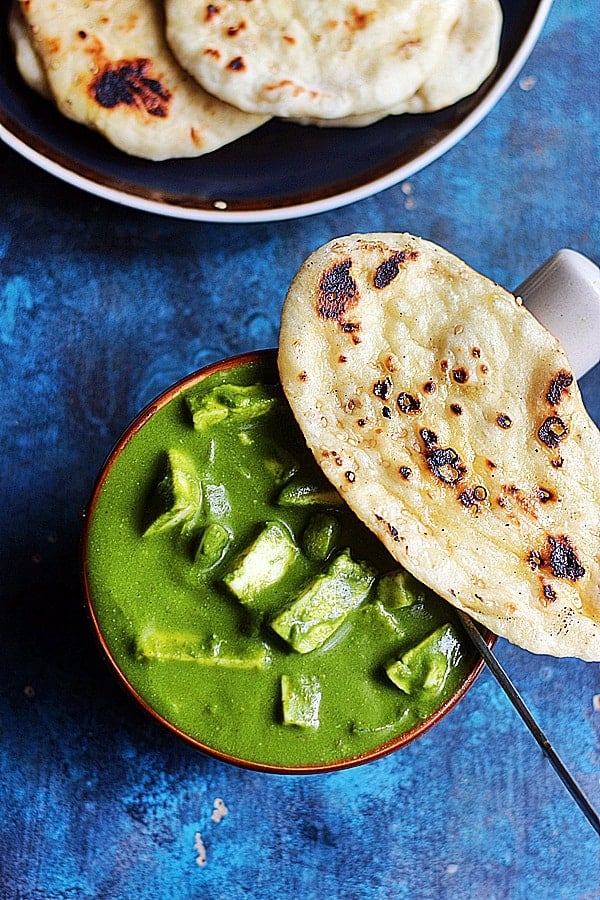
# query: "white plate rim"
[313,207]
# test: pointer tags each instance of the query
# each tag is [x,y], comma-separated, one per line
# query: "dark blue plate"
[279,171]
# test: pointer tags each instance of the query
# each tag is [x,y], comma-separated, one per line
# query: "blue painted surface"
[100,308]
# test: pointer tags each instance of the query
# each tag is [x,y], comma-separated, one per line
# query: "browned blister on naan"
[450,422]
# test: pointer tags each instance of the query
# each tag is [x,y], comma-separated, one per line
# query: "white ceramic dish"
[280,171]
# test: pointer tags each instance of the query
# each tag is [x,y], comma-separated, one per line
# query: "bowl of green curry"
[241,602]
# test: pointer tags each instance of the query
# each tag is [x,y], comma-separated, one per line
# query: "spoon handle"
[523,710]
[564,295]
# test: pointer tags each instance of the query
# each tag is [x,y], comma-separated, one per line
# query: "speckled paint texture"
[101,307]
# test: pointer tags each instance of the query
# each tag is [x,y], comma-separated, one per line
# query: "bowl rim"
[258,357]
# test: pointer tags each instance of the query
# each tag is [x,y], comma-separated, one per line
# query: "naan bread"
[108,66]
[450,422]
[28,62]
[297,58]
[469,57]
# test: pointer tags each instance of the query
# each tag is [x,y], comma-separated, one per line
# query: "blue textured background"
[100,308]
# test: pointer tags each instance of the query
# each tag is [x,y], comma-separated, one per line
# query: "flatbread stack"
[106,64]
[184,77]
[336,63]
[469,56]
[449,420]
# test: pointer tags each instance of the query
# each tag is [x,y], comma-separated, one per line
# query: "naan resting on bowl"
[107,65]
[449,420]
[296,58]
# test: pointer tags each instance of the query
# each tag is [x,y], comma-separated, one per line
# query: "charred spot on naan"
[390,267]
[552,431]
[337,292]
[408,404]
[444,463]
[383,388]
[129,82]
[559,387]
[559,556]
[212,10]
[559,559]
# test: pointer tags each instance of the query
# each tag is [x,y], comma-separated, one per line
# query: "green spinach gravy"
[244,602]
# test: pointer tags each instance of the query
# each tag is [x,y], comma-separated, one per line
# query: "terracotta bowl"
[265,360]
